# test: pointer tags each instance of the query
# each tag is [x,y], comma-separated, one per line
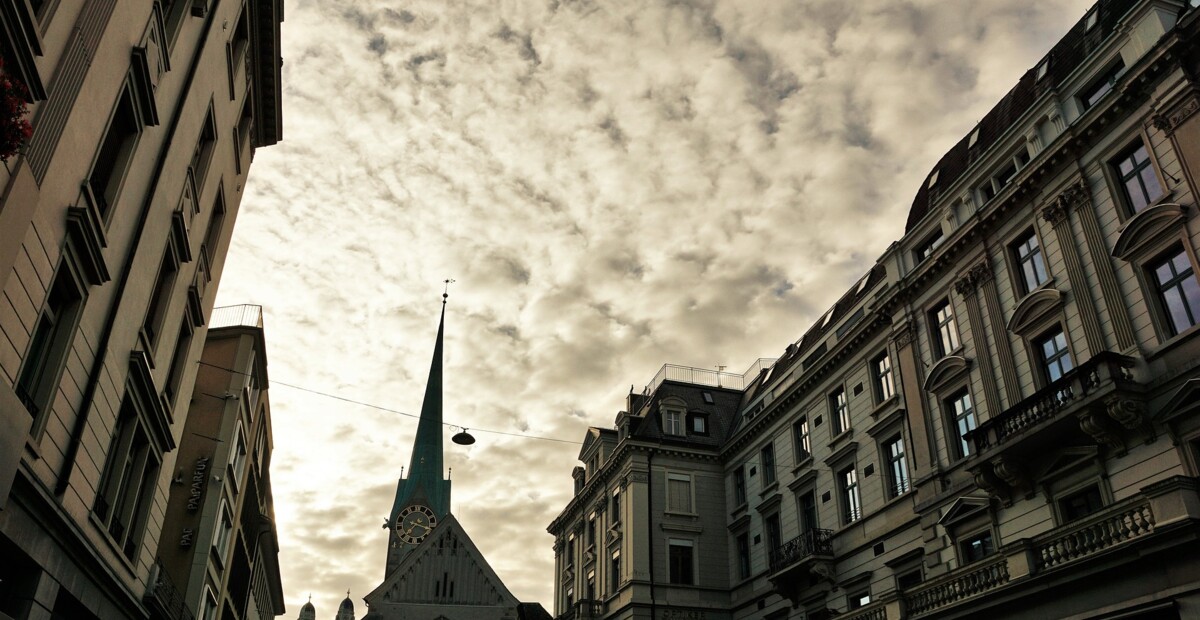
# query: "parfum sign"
[199,478]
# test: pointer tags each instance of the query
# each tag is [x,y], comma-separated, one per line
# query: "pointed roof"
[448,550]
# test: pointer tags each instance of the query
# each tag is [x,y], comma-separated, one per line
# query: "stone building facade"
[1000,419]
[114,224]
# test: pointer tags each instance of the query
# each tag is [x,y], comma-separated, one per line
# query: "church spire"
[425,465]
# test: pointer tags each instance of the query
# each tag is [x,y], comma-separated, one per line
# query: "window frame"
[953,417]
[944,334]
[692,419]
[131,449]
[849,495]
[1120,180]
[839,410]
[801,439]
[766,456]
[692,576]
[1098,88]
[691,498]
[124,110]
[674,422]
[961,542]
[1045,363]
[898,478]
[40,372]
[1164,323]
[741,546]
[883,380]
[739,486]
[1018,260]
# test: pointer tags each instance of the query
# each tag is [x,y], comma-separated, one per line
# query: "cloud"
[613,185]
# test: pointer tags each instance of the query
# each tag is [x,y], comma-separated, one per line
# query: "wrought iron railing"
[164,598]
[956,586]
[1108,528]
[810,543]
[1104,368]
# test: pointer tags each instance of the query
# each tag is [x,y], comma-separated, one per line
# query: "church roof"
[347,604]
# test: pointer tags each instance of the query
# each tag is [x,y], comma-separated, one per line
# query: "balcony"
[162,597]
[801,562]
[582,610]
[1096,403]
[1164,509]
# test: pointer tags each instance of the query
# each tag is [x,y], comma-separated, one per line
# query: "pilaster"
[967,287]
[1058,215]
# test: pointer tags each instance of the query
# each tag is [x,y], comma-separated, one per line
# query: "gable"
[445,569]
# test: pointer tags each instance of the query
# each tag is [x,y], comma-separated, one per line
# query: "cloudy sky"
[614,185]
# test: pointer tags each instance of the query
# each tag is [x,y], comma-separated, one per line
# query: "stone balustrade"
[962,584]
[1101,531]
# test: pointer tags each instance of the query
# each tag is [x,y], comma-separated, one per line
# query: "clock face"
[414,523]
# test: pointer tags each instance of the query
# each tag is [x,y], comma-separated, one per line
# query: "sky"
[613,185]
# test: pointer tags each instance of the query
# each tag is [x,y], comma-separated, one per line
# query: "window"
[976,547]
[925,249]
[881,369]
[1030,263]
[800,434]
[859,599]
[963,421]
[893,450]
[1102,85]
[616,507]
[202,154]
[739,485]
[672,422]
[591,532]
[941,319]
[808,511]
[591,585]
[1135,173]
[839,411]
[681,561]
[851,505]
[743,555]
[50,342]
[1080,504]
[216,223]
[909,579]
[768,464]
[1177,291]
[183,343]
[614,572]
[699,424]
[1056,357]
[774,533]
[679,493]
[128,483]
[221,537]
[570,597]
[114,156]
[209,612]
[159,298]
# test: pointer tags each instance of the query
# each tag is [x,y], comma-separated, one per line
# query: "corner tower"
[423,498]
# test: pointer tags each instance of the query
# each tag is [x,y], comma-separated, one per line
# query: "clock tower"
[422,498]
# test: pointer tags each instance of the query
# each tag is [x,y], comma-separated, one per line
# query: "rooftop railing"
[245,315]
[704,376]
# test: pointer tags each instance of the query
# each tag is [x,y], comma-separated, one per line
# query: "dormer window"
[973,138]
[1043,68]
[672,422]
[1093,17]
[698,424]
[1102,85]
[932,179]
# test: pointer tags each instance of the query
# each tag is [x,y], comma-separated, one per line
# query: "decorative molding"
[1093,423]
[1169,121]
[903,335]
[1055,213]
[972,278]
[1142,230]
[945,371]
[86,234]
[156,415]
[1009,471]
[1030,312]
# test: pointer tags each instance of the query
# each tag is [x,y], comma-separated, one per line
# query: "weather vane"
[446,290]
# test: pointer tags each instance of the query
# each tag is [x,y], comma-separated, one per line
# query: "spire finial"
[446,290]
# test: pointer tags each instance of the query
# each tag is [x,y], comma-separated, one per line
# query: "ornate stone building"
[1000,419]
[114,223]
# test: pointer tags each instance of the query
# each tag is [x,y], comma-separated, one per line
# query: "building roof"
[1064,58]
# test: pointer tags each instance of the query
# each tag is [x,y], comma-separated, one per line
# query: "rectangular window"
[1080,504]
[768,464]
[1102,85]
[893,450]
[202,154]
[851,505]
[679,493]
[616,507]
[808,511]
[839,411]
[885,386]
[743,556]
[1177,290]
[1135,173]
[128,483]
[977,546]
[681,560]
[114,156]
[925,249]
[739,485]
[220,544]
[1030,263]
[591,585]
[800,435]
[1056,357]
[859,599]
[216,223]
[591,532]
[941,319]
[909,579]
[773,531]
[673,422]
[50,343]
[699,424]
[963,421]
[178,362]
[156,312]
[209,611]
[614,572]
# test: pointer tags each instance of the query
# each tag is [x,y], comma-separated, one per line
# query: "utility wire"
[390,410]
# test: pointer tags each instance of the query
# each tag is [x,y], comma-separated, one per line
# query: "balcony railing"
[810,543]
[245,315]
[1108,528]
[704,376]
[583,610]
[163,598]
[956,586]
[1103,370]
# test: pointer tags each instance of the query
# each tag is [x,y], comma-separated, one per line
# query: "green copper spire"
[424,490]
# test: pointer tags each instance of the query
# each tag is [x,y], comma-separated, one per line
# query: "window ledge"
[840,437]
[769,488]
[102,530]
[803,463]
[1174,341]
[879,408]
[686,515]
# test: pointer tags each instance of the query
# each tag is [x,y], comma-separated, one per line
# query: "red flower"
[15,129]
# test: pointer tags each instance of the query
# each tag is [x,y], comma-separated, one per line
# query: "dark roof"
[532,611]
[720,412]
[1064,58]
